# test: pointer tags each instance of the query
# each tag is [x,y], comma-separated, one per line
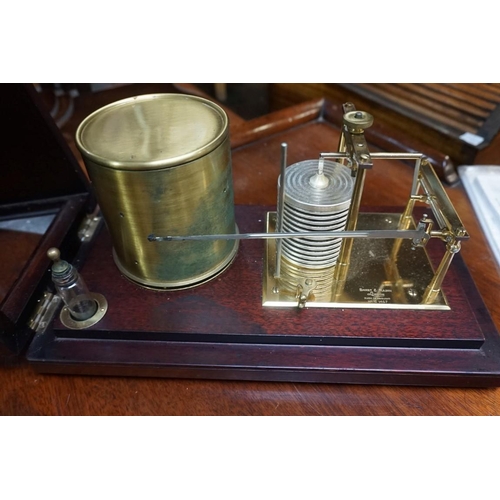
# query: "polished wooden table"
[26,392]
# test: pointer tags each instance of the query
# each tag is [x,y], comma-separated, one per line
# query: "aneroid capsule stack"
[316,198]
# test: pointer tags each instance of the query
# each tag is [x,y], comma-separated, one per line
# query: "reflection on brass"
[69,322]
[374,279]
[162,164]
[295,279]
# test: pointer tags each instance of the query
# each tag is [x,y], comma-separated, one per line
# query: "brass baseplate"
[382,274]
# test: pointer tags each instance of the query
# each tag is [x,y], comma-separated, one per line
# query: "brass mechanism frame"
[353,151]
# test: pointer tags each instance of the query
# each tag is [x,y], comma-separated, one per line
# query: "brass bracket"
[354,124]
[304,290]
[44,312]
[88,227]
[423,224]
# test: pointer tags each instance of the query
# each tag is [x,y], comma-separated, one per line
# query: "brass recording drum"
[162,164]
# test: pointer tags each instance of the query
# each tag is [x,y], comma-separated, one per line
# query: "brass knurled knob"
[358,119]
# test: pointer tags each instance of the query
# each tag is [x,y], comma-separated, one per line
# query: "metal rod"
[372,233]
[334,155]
[397,156]
[321,165]
[281,207]
[434,287]
[416,175]
[380,155]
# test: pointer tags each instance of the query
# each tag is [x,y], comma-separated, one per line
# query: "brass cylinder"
[161,164]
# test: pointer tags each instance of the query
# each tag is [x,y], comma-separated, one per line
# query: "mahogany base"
[221,331]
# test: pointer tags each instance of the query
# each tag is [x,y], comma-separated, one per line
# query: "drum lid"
[152,131]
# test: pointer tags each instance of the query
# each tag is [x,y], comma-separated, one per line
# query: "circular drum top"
[335,197]
[152,131]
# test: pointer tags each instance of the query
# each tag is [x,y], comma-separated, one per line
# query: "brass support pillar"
[434,287]
[352,141]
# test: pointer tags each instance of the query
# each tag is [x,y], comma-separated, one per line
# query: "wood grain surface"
[435,114]
[25,392]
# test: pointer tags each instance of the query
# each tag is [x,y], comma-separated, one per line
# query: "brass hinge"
[88,227]
[44,312]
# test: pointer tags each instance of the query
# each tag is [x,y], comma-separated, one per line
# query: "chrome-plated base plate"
[380,275]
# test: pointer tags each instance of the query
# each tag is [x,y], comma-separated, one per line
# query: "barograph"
[151,266]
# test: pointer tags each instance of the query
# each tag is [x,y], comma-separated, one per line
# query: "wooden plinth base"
[220,330]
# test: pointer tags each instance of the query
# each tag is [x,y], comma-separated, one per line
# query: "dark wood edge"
[18,297]
[386,103]
[61,141]
[273,123]
[279,375]
[490,128]
[63,367]
[286,363]
[32,208]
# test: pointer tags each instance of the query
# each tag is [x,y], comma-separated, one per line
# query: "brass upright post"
[352,140]
[405,222]
[434,287]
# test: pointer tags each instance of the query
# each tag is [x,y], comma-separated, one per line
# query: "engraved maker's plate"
[383,273]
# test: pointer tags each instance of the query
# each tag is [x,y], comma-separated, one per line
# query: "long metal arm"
[379,156]
[372,233]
